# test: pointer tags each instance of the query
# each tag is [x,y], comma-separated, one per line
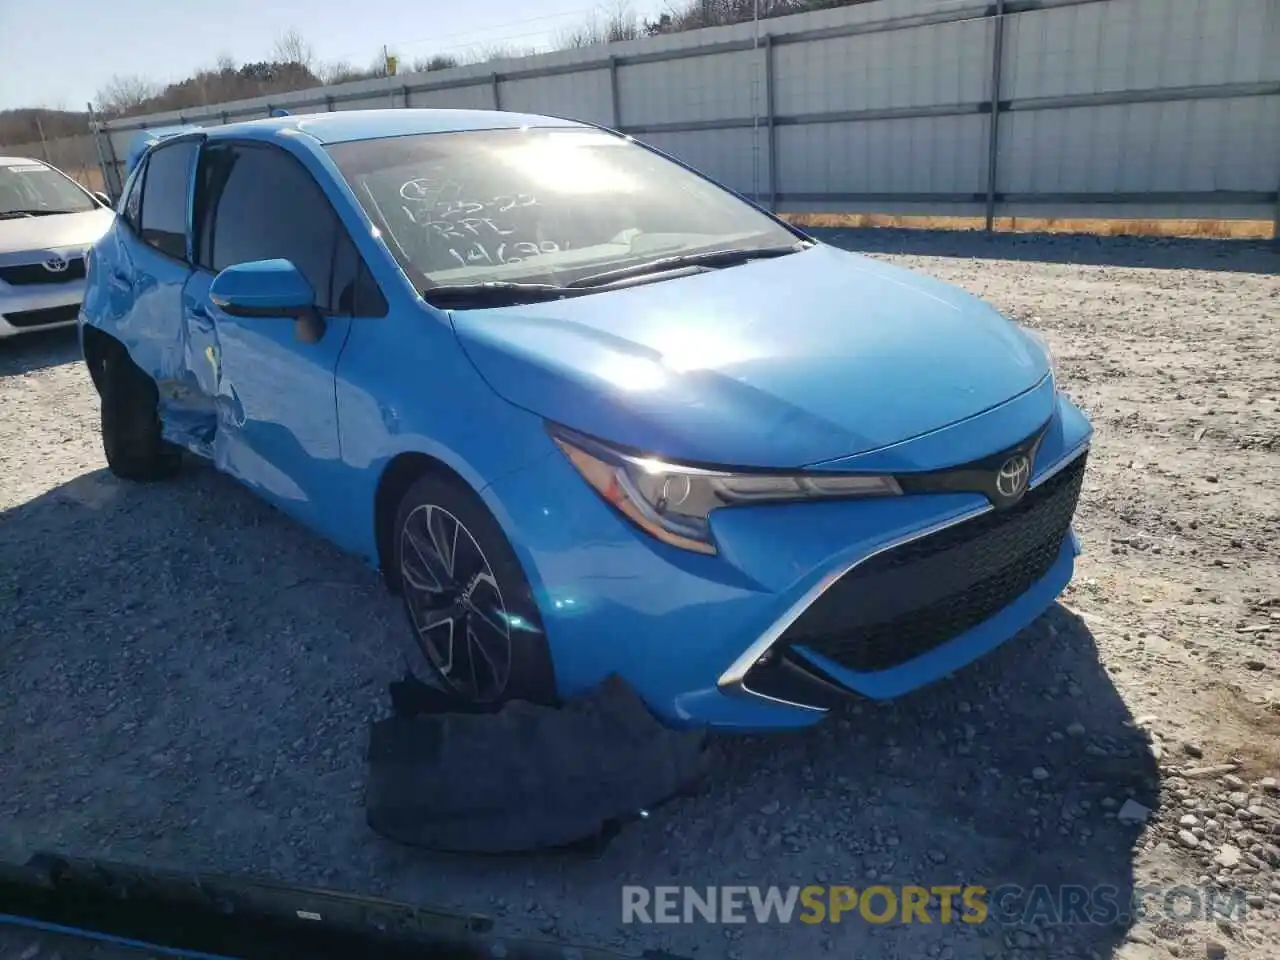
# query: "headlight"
[1048,352]
[673,503]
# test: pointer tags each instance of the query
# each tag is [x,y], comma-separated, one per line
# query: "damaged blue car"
[588,412]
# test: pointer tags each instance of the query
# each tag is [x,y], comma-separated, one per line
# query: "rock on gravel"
[187,676]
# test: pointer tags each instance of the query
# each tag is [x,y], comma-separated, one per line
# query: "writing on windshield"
[495,230]
[538,205]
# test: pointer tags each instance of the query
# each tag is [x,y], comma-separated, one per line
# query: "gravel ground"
[187,675]
[17,943]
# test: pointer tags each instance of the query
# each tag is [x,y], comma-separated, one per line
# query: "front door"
[277,428]
[146,272]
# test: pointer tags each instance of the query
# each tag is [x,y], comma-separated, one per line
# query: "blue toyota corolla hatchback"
[589,412]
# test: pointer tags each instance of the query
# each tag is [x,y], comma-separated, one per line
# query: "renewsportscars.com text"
[968,904]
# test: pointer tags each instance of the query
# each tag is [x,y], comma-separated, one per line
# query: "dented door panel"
[276,427]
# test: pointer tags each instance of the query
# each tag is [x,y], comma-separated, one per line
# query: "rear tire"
[475,629]
[131,438]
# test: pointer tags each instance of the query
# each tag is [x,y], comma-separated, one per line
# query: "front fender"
[405,387]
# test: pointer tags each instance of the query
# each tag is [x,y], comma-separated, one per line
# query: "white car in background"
[47,222]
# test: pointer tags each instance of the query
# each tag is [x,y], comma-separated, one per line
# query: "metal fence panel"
[475,97]
[1057,108]
[583,95]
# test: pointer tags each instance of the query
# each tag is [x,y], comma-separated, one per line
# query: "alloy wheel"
[460,620]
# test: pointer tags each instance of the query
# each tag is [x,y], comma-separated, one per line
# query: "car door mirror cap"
[264,289]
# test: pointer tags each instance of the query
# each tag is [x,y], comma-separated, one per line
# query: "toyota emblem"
[1012,477]
[56,263]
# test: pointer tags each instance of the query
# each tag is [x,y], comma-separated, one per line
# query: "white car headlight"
[673,502]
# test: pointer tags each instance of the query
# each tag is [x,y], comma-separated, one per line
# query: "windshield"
[33,188]
[540,206]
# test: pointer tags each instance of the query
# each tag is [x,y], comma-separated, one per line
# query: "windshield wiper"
[711,259]
[494,293]
[32,213]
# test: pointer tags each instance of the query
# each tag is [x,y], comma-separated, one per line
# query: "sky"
[59,56]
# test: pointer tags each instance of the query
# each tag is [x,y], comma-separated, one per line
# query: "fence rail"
[1146,109]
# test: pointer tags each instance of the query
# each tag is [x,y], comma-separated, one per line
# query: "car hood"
[58,232]
[788,362]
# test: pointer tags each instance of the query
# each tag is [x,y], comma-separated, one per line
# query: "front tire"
[475,629]
[131,436]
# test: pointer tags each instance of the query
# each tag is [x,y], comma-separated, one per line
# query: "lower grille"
[30,274]
[43,316]
[910,599]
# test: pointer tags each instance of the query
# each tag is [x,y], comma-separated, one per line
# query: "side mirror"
[268,289]
[102,198]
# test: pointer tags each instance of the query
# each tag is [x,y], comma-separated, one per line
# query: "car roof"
[20,161]
[349,125]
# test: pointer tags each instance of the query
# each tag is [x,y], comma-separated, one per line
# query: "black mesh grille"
[29,274]
[46,315]
[908,600]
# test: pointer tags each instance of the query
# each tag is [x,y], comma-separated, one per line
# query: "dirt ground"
[19,943]
[186,676]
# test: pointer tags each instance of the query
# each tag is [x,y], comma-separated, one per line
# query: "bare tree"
[437,61]
[125,92]
[225,63]
[622,23]
[617,25]
[291,48]
[497,51]
[341,71]
[585,34]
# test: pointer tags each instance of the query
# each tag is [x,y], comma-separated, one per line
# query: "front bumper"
[45,306]
[687,631]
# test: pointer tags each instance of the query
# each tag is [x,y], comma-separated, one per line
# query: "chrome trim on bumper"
[732,681]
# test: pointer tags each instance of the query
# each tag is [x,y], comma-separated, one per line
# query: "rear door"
[147,271]
[277,428]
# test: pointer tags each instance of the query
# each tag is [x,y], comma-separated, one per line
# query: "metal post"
[993,128]
[497,95]
[1275,228]
[44,145]
[613,93]
[755,104]
[769,128]
[404,92]
[102,160]
[115,185]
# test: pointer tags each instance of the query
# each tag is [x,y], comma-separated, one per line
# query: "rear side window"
[133,202]
[164,198]
[255,202]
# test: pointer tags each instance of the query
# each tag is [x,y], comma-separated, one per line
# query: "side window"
[133,202]
[258,203]
[355,294]
[164,198]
